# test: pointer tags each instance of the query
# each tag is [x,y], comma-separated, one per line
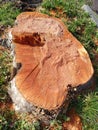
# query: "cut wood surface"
[51,59]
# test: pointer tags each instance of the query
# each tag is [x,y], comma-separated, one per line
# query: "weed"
[9,121]
[87,108]
[4,74]
[45,11]
[8,13]
[90,111]
[52,4]
[56,124]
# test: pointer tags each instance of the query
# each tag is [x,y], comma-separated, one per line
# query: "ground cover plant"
[81,26]
[4,74]
[8,13]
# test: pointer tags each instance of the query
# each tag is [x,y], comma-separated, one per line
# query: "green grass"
[5,61]
[10,121]
[8,13]
[89,111]
[87,108]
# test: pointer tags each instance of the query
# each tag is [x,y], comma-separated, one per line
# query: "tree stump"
[51,65]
